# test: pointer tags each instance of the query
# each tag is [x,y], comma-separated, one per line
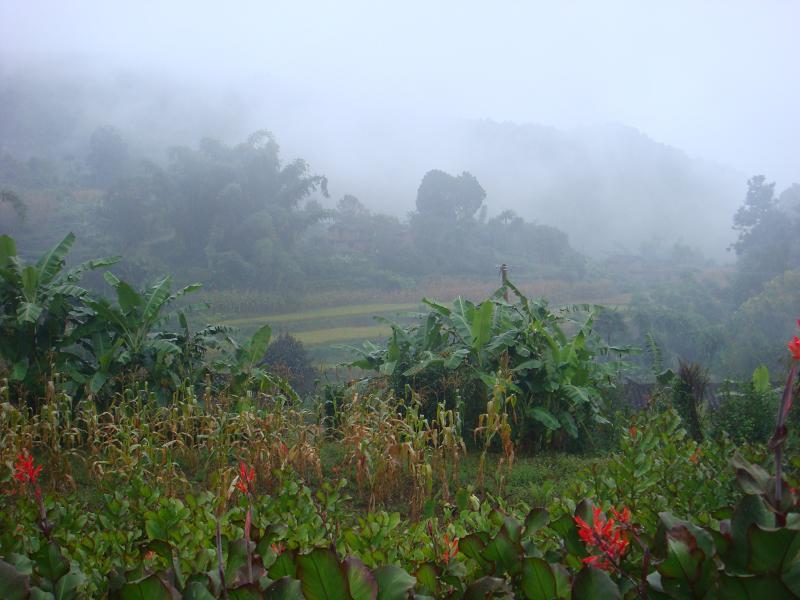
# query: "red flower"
[624,517]
[794,348]
[24,469]
[450,549]
[278,548]
[245,478]
[605,537]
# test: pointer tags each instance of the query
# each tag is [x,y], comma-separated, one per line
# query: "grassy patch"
[351,310]
[331,335]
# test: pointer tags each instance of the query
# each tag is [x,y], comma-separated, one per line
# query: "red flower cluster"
[245,478]
[24,469]
[606,537]
[794,348]
[26,472]
[450,549]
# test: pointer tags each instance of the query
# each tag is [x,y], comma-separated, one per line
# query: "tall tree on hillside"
[444,196]
[108,155]
[239,210]
[444,225]
[766,244]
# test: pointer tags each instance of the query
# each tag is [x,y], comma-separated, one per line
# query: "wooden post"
[504,279]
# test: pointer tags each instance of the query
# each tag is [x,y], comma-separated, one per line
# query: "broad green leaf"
[504,552]
[456,359]
[13,584]
[487,587]
[772,550]
[76,272]
[683,563]
[161,345]
[127,297]
[30,283]
[8,249]
[538,581]
[68,586]
[155,298]
[187,289]
[50,563]
[753,479]
[472,546]
[537,518]
[749,511]
[98,381]
[237,556]
[360,581]
[439,308]
[284,566]
[534,363]
[577,394]
[428,578]
[791,578]
[285,588]
[29,312]
[247,591]
[69,290]
[149,588]
[394,583]
[19,370]
[592,584]
[50,263]
[568,422]
[197,591]
[258,344]
[111,279]
[563,580]
[481,326]
[749,587]
[761,382]
[321,576]
[544,417]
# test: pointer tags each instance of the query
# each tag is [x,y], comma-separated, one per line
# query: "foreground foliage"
[198,500]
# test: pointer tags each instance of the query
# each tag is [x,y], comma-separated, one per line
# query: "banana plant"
[558,377]
[41,303]
[244,367]
[126,339]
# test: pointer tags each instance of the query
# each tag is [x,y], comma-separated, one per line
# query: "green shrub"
[746,410]
[287,357]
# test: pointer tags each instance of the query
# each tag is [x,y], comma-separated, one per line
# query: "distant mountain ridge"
[611,188]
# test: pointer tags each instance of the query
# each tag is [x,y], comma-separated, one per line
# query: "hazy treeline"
[729,320]
[610,188]
[239,216]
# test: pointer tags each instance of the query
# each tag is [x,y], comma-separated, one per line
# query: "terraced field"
[323,330]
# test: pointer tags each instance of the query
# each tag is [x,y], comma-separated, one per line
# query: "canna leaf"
[394,583]
[320,576]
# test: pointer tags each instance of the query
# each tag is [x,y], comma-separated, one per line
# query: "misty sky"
[718,79]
